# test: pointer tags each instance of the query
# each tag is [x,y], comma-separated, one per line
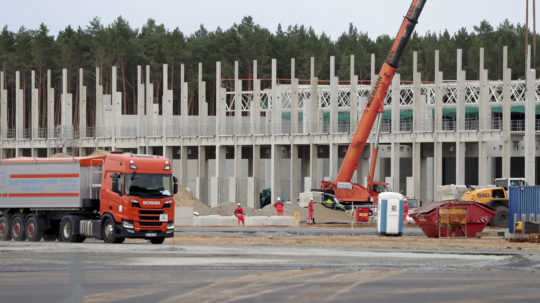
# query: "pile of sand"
[100,152]
[185,198]
[60,155]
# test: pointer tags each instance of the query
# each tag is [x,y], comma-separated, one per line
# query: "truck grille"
[150,212]
[143,223]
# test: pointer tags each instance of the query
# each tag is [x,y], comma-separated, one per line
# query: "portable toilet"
[390,214]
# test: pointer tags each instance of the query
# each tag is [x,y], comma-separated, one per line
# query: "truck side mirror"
[175,185]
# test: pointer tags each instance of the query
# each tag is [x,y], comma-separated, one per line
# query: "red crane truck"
[355,194]
[109,197]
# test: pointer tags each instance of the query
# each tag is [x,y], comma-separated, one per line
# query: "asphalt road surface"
[140,272]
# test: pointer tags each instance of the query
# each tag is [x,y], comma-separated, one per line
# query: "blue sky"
[332,17]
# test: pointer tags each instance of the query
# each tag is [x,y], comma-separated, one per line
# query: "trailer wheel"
[109,235]
[34,230]
[17,228]
[5,228]
[158,240]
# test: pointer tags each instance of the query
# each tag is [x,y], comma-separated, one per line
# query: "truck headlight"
[170,225]
[127,224]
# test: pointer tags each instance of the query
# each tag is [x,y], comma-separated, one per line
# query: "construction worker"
[310,219]
[280,206]
[239,213]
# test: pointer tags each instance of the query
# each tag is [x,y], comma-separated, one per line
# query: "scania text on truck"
[109,197]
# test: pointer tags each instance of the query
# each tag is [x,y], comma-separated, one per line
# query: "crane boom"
[375,102]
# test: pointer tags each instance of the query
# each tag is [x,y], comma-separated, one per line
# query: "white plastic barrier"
[183,216]
[216,220]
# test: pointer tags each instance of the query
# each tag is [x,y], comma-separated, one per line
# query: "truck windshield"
[148,185]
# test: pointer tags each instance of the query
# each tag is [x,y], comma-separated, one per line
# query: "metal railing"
[497,123]
[386,126]
[406,125]
[471,124]
[518,125]
[449,124]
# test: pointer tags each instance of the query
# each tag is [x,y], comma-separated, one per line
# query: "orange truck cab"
[137,197]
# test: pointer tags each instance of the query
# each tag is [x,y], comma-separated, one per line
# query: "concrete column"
[66,106]
[294,99]
[507,102]
[19,107]
[238,127]
[203,106]
[417,169]
[276,104]
[294,172]
[333,128]
[255,108]
[438,95]
[220,173]
[530,128]
[314,107]
[34,108]
[184,92]
[418,119]
[141,131]
[253,190]
[396,99]
[220,111]
[82,105]
[275,160]
[167,105]
[184,165]
[355,109]
[395,166]
[99,104]
[373,71]
[116,102]
[353,118]
[3,108]
[484,161]
[333,161]
[237,173]
[150,125]
[314,166]
[460,119]
[202,186]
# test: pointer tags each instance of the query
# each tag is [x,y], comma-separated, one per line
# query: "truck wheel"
[34,229]
[501,217]
[66,231]
[109,235]
[17,228]
[158,240]
[5,229]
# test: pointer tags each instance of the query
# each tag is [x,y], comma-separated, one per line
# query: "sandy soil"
[486,243]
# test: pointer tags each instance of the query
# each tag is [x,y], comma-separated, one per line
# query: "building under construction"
[290,135]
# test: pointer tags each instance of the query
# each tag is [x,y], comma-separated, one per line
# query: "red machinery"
[345,191]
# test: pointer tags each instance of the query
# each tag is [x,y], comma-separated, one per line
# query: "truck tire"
[501,216]
[5,228]
[17,228]
[109,235]
[158,240]
[66,233]
[33,229]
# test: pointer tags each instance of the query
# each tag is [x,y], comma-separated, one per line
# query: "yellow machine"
[495,197]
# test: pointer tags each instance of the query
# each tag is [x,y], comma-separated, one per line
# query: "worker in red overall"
[310,219]
[405,211]
[280,206]
[239,213]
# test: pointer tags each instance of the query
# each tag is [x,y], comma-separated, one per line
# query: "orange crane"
[353,194]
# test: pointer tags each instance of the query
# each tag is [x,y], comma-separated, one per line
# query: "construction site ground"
[213,266]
